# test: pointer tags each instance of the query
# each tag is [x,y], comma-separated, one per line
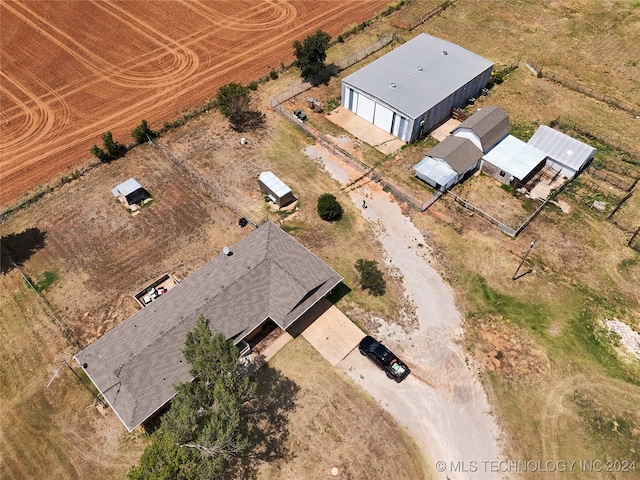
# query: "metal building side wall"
[564,170]
[494,171]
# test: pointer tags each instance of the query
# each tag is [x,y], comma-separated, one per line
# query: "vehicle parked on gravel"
[384,358]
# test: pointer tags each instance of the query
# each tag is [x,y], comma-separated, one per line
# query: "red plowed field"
[71,70]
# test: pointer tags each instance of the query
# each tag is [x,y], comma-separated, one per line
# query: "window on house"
[502,174]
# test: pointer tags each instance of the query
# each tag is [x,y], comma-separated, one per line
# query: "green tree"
[229,95]
[111,150]
[204,432]
[371,277]
[311,53]
[234,102]
[329,208]
[142,132]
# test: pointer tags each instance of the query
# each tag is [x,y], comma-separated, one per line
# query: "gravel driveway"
[442,403]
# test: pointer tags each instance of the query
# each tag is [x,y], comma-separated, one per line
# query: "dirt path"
[442,404]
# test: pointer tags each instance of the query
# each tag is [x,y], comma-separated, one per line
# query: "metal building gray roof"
[491,124]
[274,184]
[425,71]
[268,275]
[514,156]
[562,148]
[125,188]
[460,153]
[437,170]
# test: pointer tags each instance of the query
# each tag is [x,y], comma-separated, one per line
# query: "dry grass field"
[49,424]
[337,425]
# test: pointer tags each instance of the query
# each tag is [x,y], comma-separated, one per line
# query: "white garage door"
[383,118]
[366,107]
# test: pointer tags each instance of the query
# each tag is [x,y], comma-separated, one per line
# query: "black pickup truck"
[384,358]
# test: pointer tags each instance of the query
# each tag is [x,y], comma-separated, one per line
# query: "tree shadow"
[268,418]
[17,248]
[324,76]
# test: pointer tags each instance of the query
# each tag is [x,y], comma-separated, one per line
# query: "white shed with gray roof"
[413,88]
[277,191]
[565,153]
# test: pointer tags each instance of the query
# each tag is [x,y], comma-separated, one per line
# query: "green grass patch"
[530,314]
[523,131]
[618,430]
[44,281]
[627,264]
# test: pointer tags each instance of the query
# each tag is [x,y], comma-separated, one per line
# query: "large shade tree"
[203,433]
[311,53]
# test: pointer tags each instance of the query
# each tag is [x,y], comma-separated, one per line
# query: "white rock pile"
[628,337]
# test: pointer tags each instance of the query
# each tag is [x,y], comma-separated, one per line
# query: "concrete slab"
[255,360]
[365,131]
[444,130]
[332,334]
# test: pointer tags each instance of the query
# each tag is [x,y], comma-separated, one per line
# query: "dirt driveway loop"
[442,404]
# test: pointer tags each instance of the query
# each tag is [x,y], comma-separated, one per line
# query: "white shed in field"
[130,192]
[565,153]
[412,89]
[275,189]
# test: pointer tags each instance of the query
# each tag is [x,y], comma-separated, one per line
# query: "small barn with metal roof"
[485,128]
[448,163]
[277,191]
[565,154]
[413,88]
[266,278]
[130,192]
[513,161]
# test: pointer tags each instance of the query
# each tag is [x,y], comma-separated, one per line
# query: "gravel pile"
[628,337]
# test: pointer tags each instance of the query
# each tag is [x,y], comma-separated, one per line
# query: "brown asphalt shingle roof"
[491,124]
[460,153]
[268,275]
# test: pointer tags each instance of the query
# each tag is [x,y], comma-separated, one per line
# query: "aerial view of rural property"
[317,239]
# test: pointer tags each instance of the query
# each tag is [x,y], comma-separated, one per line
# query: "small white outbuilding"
[277,191]
[130,192]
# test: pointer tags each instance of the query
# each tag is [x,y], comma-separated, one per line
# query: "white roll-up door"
[366,107]
[383,118]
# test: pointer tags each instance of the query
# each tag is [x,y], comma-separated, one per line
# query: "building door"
[383,118]
[351,96]
[366,108]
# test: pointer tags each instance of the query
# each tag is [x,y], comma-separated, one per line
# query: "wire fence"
[578,87]
[352,59]
[361,167]
[206,185]
[419,20]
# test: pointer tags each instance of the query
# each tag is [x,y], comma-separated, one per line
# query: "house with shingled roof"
[265,278]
